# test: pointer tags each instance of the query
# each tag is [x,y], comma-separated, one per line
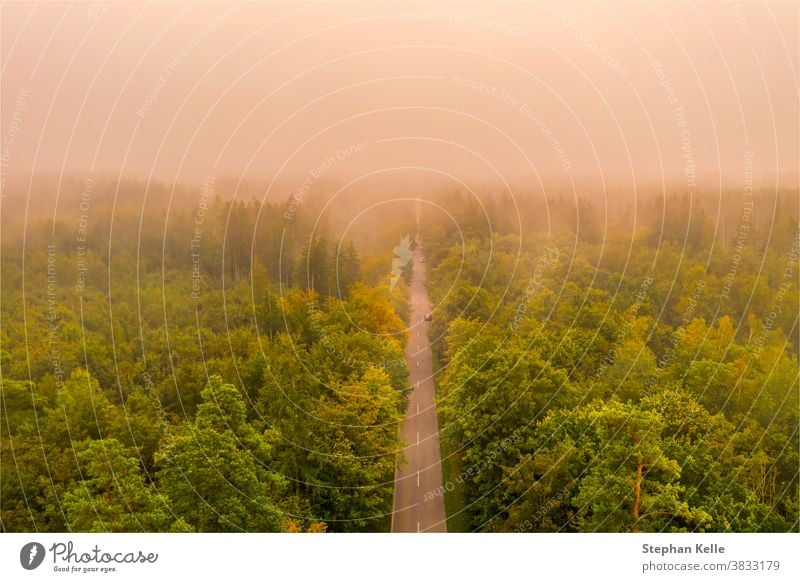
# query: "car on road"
[428,317]
[422,259]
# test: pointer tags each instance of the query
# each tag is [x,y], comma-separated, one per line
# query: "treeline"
[699,222]
[640,383]
[174,360]
[150,227]
[196,364]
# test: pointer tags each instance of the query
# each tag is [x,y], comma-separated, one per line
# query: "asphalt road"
[418,477]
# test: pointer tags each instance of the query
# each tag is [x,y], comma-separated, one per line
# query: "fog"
[612,97]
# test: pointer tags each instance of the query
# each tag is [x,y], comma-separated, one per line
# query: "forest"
[155,378]
[174,360]
[633,372]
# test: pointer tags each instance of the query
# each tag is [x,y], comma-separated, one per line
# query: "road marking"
[417,443]
[417,527]
[417,407]
[417,478]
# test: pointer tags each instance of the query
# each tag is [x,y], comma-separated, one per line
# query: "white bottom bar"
[369,557]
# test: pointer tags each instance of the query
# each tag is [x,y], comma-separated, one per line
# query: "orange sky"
[619,93]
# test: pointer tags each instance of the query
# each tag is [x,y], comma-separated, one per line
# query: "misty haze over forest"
[619,98]
[399,267]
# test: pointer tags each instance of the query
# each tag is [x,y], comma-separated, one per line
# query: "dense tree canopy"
[618,381]
[238,366]
[213,367]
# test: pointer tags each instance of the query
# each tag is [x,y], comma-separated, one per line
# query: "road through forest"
[418,500]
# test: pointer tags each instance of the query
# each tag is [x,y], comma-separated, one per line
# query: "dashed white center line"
[417,478]
[417,438]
